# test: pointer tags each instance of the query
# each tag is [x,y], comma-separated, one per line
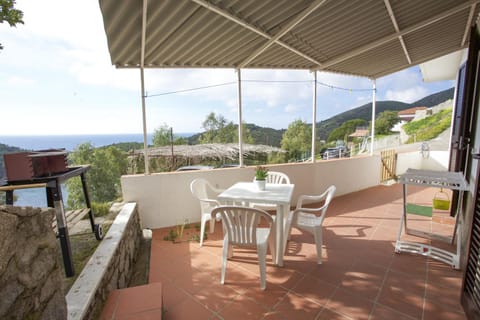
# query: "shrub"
[101,209]
[430,127]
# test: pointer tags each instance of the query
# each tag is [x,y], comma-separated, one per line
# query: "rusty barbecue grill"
[48,169]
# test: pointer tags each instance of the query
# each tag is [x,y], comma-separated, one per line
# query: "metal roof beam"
[246,25]
[397,29]
[299,18]
[391,37]
[142,84]
[469,23]
[144,32]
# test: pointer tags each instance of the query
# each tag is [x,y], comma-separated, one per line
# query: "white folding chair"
[311,219]
[241,228]
[205,193]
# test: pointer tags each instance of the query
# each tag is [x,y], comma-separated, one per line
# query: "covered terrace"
[361,276]
[364,38]
[367,39]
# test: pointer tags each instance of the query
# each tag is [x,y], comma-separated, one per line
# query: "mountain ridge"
[273,137]
[364,112]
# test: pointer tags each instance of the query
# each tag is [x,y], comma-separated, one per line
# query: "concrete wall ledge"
[95,281]
[165,198]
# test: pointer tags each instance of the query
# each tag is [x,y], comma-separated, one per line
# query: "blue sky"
[56,78]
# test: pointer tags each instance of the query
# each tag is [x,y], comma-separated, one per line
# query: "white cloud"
[291,108]
[408,95]
[364,99]
[406,86]
[20,81]
[77,23]
[66,36]
[401,80]
[98,74]
[329,81]
[291,86]
[62,48]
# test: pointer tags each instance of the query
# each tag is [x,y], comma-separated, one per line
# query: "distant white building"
[410,114]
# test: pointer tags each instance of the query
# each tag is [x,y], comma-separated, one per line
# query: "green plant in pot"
[261,174]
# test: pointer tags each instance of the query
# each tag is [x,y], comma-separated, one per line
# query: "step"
[141,302]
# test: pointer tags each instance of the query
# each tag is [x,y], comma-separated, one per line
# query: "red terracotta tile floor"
[361,276]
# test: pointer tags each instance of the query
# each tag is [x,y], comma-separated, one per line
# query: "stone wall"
[109,268]
[30,270]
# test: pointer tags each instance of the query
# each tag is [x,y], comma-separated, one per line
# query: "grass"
[83,246]
[185,232]
[429,127]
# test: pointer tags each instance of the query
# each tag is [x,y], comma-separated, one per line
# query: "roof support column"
[314,115]
[144,118]
[240,122]
[374,102]
[142,82]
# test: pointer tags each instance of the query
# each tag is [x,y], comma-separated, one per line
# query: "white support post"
[144,118]
[374,102]
[142,81]
[240,122]
[314,115]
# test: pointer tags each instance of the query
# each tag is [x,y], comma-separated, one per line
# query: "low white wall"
[109,268]
[164,199]
[436,160]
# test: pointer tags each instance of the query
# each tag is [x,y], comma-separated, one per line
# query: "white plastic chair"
[275,177]
[311,219]
[205,192]
[241,228]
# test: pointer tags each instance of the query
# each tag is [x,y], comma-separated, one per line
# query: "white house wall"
[436,160]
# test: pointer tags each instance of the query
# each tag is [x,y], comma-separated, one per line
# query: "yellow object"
[441,200]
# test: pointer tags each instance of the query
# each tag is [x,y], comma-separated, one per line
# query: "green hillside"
[429,127]
[434,99]
[266,136]
[260,135]
[365,112]
[273,137]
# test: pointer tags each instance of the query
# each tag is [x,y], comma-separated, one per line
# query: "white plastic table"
[278,194]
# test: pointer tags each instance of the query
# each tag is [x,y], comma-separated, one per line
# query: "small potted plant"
[261,174]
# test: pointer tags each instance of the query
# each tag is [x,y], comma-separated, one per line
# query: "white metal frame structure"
[438,179]
[363,38]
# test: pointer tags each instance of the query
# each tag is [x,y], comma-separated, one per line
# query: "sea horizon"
[36,197]
[70,141]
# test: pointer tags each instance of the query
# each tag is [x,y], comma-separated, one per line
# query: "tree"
[297,139]
[213,125]
[345,129]
[162,136]
[103,178]
[218,130]
[385,122]
[9,14]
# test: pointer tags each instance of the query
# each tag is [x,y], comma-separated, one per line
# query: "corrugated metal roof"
[352,37]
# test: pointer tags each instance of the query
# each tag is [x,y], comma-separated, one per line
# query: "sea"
[36,197]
